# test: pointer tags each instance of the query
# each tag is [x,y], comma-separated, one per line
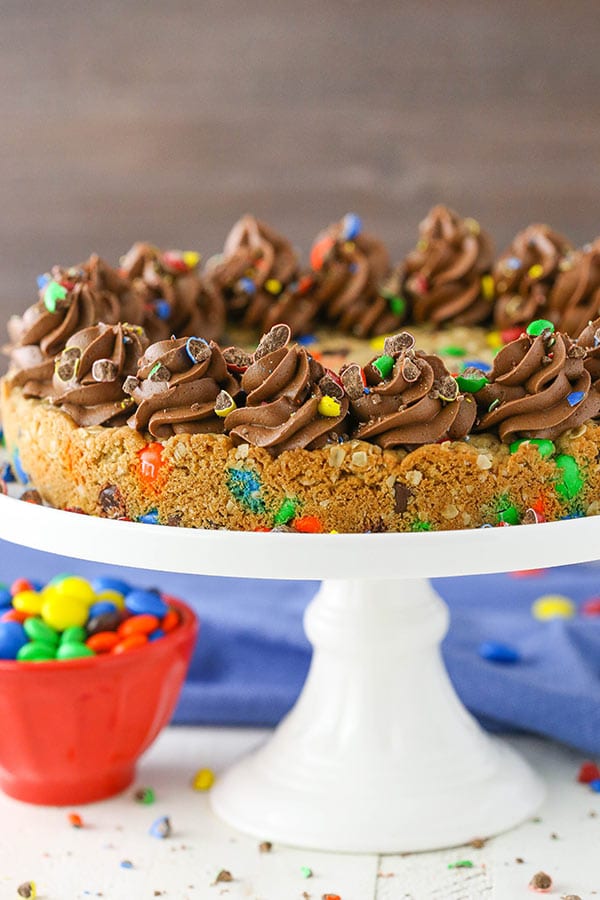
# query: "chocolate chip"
[112,502]
[402,494]
[224,875]
[175,519]
[32,496]
[352,381]
[278,337]
[104,370]
[265,847]
[398,343]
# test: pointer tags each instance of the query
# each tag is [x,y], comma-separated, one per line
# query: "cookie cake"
[453,389]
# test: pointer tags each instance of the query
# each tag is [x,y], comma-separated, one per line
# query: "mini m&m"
[72,618]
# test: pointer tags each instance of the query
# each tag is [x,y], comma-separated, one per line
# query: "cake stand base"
[378,755]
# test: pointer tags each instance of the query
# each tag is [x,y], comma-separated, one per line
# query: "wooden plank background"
[123,120]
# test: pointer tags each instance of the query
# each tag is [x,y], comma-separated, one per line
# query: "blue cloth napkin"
[252,655]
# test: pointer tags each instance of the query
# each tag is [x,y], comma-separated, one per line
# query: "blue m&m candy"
[495,651]
[12,638]
[105,583]
[146,603]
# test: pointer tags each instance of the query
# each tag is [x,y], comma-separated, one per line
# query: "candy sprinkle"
[144,795]
[553,606]
[495,651]
[306,871]
[161,828]
[461,864]
[575,397]
[203,780]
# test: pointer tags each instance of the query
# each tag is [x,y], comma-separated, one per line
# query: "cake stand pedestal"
[378,754]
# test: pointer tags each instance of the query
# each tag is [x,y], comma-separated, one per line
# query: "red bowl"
[72,731]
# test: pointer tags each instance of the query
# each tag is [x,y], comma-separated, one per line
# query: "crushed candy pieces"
[541,883]
[144,795]
[588,772]
[461,864]
[75,820]
[161,828]
[28,890]
[223,876]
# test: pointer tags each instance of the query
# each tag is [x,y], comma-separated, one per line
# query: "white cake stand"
[378,754]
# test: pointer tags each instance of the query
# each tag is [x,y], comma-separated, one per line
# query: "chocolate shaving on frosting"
[525,273]
[444,273]
[192,374]
[538,388]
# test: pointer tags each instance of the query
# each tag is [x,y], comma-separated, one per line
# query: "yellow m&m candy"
[553,606]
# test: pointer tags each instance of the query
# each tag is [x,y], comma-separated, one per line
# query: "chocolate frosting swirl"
[444,273]
[539,388]
[349,267]
[575,298]
[525,273]
[589,339]
[284,387]
[173,296]
[92,292]
[176,388]
[417,403]
[90,372]
[255,267]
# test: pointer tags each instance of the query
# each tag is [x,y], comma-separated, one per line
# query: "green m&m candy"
[538,326]
[37,630]
[471,381]
[53,293]
[73,650]
[572,480]
[544,446]
[36,651]
[384,365]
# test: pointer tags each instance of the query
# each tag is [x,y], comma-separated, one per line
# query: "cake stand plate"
[378,754]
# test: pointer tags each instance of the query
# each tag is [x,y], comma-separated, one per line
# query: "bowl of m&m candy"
[90,672]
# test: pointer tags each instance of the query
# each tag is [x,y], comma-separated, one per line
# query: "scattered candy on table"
[541,883]
[588,772]
[75,820]
[28,890]
[161,828]
[553,606]
[71,618]
[144,795]
[495,651]
[203,780]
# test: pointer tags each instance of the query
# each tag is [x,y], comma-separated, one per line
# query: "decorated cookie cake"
[453,389]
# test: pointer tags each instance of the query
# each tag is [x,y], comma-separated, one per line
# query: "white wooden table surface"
[38,843]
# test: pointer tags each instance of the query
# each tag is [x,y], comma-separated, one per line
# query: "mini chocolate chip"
[112,502]
[278,337]
[104,370]
[224,875]
[265,847]
[402,494]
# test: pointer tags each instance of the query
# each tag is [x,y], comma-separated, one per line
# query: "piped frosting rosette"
[575,298]
[90,373]
[172,294]
[256,266]
[448,275]
[292,401]
[538,387]
[406,398]
[525,273]
[349,268]
[182,386]
[69,300]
